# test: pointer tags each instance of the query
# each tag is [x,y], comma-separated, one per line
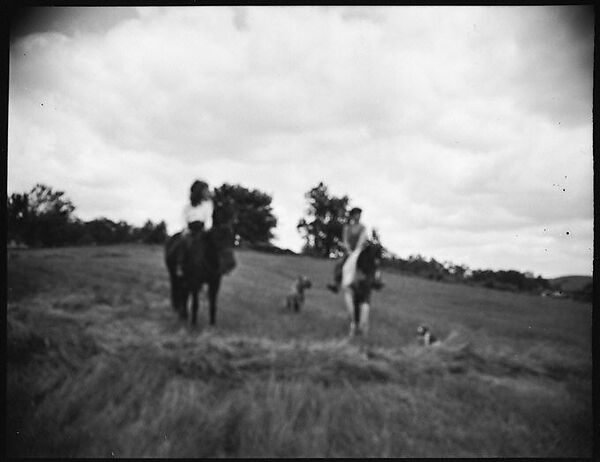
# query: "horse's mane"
[368,259]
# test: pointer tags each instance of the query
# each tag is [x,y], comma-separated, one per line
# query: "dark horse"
[209,256]
[367,265]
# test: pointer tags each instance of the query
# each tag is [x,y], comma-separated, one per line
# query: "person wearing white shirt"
[198,218]
[201,212]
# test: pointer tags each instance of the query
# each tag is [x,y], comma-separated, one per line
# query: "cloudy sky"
[464,133]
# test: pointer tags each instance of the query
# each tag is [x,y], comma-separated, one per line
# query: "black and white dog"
[295,299]
[425,336]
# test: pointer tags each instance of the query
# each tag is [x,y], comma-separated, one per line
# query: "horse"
[208,258]
[367,265]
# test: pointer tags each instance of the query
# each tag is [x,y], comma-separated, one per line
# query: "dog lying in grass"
[295,299]
[425,337]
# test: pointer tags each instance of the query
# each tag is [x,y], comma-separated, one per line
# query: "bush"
[267,247]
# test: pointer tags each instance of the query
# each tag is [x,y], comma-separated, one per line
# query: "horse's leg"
[174,292]
[183,296]
[195,305]
[364,318]
[349,300]
[213,291]
[357,318]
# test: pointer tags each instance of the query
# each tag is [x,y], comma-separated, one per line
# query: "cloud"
[240,18]
[66,20]
[464,122]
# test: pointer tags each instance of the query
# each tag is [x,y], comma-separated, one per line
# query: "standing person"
[198,217]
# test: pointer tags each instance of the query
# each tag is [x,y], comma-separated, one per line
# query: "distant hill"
[570,283]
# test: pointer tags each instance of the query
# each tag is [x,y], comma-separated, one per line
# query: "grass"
[99,366]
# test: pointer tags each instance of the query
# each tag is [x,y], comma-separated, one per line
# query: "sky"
[464,133]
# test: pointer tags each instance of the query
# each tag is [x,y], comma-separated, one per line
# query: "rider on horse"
[354,238]
[357,290]
[198,214]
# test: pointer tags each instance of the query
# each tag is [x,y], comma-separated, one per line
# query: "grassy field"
[98,365]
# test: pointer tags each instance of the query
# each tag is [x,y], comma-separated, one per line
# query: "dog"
[295,299]
[425,336]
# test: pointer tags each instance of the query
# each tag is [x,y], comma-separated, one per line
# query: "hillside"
[571,283]
[99,366]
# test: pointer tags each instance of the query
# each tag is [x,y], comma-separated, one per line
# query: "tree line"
[450,272]
[44,217]
[321,228]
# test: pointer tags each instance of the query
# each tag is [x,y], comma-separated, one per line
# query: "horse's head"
[369,259]
[224,212]
[368,263]
[224,217]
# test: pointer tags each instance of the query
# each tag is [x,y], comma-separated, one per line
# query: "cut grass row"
[98,366]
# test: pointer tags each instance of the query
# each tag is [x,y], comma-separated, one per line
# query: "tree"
[44,200]
[252,214]
[41,217]
[101,231]
[322,227]
[151,233]
[17,216]
[159,234]
[123,232]
[458,271]
[44,217]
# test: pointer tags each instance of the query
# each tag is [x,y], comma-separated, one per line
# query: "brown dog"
[295,299]
[426,337]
